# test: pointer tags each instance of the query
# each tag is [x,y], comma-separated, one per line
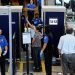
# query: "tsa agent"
[47,50]
[3,52]
[31,8]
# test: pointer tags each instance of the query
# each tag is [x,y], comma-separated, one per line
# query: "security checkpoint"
[10,16]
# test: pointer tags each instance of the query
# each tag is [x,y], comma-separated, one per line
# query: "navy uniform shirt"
[3,42]
[37,21]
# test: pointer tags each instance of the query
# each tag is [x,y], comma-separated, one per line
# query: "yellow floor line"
[21,67]
[43,66]
[8,68]
[25,61]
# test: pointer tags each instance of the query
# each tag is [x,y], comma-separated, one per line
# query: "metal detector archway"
[6,15]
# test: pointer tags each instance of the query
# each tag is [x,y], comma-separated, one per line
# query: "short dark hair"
[32,22]
[38,28]
[0,29]
[69,30]
[36,13]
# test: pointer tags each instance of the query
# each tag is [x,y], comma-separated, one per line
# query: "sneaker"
[59,73]
[39,69]
[34,69]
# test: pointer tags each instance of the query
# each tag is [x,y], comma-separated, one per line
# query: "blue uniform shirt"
[39,2]
[3,42]
[31,6]
[46,39]
[37,21]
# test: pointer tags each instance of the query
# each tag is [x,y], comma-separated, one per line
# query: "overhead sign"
[53,21]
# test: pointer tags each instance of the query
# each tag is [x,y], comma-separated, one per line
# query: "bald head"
[0,31]
[69,30]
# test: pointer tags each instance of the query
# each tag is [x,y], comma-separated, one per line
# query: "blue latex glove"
[41,54]
[5,52]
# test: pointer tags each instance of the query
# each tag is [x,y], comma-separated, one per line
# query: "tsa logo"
[53,21]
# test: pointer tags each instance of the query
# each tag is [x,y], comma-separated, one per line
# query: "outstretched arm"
[31,26]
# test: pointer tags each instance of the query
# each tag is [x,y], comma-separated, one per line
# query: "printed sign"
[53,21]
[26,38]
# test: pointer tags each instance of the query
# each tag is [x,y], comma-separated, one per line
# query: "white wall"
[50,2]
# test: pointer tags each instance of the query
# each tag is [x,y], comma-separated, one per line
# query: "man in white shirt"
[66,48]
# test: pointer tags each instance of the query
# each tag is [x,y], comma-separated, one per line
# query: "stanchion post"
[10,40]
[26,36]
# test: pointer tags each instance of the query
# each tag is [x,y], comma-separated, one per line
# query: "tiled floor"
[18,73]
[21,67]
[55,71]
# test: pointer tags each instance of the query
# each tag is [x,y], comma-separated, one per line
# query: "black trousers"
[48,62]
[39,11]
[36,57]
[21,2]
[5,2]
[2,65]
[30,15]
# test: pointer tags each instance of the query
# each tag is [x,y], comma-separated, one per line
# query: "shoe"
[39,69]
[34,69]
[59,73]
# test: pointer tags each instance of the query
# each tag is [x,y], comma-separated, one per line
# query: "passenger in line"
[32,31]
[36,44]
[3,52]
[66,48]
